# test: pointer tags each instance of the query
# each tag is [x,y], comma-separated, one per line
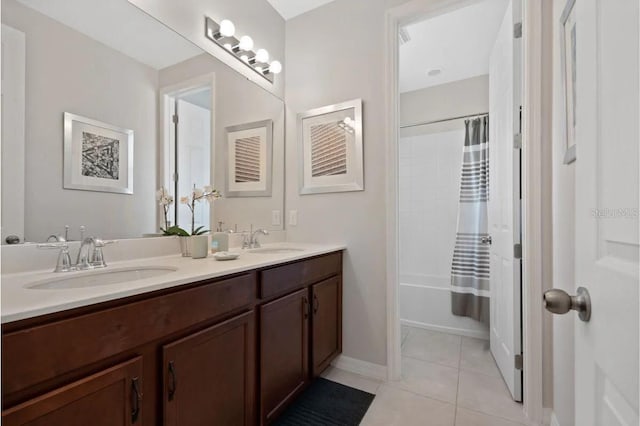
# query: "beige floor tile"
[488,395]
[432,346]
[353,380]
[428,379]
[476,356]
[397,407]
[466,417]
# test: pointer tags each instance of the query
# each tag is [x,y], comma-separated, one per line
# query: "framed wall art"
[249,158]
[97,156]
[331,151]
[568,51]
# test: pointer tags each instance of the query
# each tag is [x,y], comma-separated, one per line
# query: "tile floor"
[446,380]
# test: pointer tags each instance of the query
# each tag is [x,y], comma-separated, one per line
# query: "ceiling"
[121,26]
[291,8]
[457,43]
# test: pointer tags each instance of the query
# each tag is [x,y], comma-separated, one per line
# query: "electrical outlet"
[276,219]
[293,217]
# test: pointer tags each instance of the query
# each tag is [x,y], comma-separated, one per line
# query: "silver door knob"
[559,302]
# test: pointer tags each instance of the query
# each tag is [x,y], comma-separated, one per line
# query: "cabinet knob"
[173,384]
[136,396]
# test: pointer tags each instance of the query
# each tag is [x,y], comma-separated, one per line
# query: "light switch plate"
[276,218]
[293,217]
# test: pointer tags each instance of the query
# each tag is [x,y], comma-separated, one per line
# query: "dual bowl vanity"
[170,340]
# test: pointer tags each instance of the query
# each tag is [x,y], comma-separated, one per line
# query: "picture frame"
[249,159]
[330,144]
[569,71]
[97,156]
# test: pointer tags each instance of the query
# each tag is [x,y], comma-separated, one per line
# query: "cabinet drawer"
[282,279]
[40,353]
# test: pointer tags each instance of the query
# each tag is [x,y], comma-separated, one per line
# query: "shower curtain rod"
[424,123]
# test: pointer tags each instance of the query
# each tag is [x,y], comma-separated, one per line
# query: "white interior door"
[504,201]
[607,250]
[194,155]
[13,131]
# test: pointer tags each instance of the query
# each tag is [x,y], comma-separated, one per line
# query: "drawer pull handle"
[316,304]
[173,385]
[305,307]
[136,396]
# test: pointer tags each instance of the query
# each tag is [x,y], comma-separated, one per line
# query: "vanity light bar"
[223,35]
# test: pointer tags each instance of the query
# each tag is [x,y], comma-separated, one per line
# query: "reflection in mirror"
[117,68]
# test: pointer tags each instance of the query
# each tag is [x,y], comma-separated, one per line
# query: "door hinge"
[518,362]
[174,118]
[517,141]
[517,251]
[517,30]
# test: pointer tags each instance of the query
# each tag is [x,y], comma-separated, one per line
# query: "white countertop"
[20,302]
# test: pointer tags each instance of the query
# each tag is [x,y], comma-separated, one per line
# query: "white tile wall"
[429,186]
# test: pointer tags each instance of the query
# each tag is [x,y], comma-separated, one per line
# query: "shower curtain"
[470,267]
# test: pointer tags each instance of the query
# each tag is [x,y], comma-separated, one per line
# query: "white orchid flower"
[184,200]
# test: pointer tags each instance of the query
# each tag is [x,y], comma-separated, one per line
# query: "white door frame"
[532,213]
[165,96]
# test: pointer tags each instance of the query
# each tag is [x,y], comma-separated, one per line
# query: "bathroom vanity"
[232,345]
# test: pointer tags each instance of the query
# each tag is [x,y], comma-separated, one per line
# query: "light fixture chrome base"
[212,32]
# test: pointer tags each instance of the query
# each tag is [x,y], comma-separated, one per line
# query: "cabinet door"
[327,323]
[284,355]
[111,397]
[209,376]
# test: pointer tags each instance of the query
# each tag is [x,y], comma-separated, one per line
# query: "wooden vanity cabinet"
[326,299]
[110,397]
[300,331]
[234,350]
[208,376]
[284,352]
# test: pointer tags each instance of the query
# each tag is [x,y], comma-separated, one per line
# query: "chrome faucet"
[250,239]
[90,255]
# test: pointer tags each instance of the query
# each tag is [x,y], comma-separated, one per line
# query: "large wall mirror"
[102,105]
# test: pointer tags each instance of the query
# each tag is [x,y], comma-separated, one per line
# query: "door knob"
[559,302]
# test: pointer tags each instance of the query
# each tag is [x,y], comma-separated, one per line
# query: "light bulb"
[259,69]
[262,56]
[228,46]
[246,43]
[275,67]
[227,29]
[244,58]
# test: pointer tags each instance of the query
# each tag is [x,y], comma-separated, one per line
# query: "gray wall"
[455,99]
[238,101]
[251,17]
[67,71]
[335,53]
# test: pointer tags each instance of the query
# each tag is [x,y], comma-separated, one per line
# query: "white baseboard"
[451,330]
[363,368]
[553,420]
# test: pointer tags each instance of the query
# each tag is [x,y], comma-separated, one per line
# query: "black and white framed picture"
[569,72]
[330,144]
[97,156]
[249,157]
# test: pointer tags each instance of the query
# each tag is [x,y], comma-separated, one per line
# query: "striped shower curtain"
[470,266]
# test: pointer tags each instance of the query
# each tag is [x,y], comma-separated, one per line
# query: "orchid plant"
[207,193]
[165,200]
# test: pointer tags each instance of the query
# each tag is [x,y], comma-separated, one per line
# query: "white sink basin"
[96,278]
[276,250]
